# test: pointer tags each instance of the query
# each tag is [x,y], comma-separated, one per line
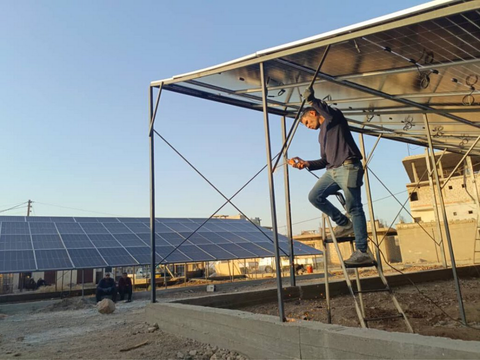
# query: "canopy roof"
[384,74]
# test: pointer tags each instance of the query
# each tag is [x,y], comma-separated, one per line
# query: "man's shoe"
[343,231]
[360,258]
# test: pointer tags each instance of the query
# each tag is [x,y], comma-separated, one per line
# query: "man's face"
[125,276]
[107,276]
[312,120]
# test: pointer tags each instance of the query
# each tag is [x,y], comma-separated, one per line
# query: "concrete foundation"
[265,337]
[209,320]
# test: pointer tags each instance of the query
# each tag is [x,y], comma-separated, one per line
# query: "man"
[341,157]
[106,286]
[125,287]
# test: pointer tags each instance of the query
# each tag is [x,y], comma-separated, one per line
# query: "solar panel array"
[63,243]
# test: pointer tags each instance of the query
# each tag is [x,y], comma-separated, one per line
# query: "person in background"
[106,287]
[125,287]
[341,157]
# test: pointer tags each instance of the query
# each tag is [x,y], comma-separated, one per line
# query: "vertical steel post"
[83,282]
[445,222]
[287,204]
[370,204]
[278,263]
[435,207]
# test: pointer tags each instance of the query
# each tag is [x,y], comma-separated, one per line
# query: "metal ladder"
[359,305]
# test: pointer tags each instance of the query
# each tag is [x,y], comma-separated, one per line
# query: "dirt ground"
[424,316]
[73,329]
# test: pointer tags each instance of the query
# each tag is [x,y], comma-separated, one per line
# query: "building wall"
[458,198]
[417,247]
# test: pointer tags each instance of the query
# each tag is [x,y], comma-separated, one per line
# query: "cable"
[71,208]
[14,207]
[216,189]
[419,291]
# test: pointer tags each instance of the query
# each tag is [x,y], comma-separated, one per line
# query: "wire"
[14,207]
[418,289]
[228,200]
[71,208]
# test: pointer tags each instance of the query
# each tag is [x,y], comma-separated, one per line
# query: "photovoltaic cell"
[94,228]
[258,251]
[89,242]
[115,228]
[17,261]
[15,242]
[47,242]
[129,240]
[142,254]
[195,253]
[176,257]
[138,228]
[104,241]
[53,259]
[15,228]
[117,257]
[69,228]
[76,241]
[86,258]
[217,252]
[43,228]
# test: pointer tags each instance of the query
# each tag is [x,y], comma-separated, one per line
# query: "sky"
[74,109]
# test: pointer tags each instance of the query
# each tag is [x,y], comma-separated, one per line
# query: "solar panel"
[15,242]
[37,228]
[86,258]
[50,243]
[53,260]
[94,228]
[47,242]
[15,228]
[129,240]
[77,241]
[117,257]
[104,241]
[17,261]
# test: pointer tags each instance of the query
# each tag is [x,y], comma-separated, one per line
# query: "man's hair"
[306,111]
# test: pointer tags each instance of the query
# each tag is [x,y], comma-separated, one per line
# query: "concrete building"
[421,241]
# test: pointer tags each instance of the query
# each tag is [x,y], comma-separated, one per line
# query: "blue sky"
[74,107]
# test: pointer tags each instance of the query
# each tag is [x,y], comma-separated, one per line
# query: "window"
[450,187]
[470,211]
[417,219]
[414,196]
[454,213]
[463,186]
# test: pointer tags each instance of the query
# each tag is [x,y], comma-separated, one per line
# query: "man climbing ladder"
[341,157]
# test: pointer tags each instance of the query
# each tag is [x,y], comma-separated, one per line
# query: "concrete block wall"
[416,245]
[266,337]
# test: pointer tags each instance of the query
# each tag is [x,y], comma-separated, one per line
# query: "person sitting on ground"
[125,287]
[106,287]
[41,282]
[299,269]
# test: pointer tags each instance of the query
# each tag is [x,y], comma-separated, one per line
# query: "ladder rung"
[384,317]
[371,291]
[373,263]
[341,240]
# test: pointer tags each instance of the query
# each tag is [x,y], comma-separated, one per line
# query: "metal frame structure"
[386,75]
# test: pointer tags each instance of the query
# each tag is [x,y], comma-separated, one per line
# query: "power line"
[13,208]
[71,208]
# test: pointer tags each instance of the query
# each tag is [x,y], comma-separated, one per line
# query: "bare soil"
[425,317]
[73,329]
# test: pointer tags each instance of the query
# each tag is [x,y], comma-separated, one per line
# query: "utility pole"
[29,208]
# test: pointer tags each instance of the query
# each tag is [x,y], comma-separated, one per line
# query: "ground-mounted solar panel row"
[55,243]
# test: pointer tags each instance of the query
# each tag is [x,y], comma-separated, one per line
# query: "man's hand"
[309,94]
[298,163]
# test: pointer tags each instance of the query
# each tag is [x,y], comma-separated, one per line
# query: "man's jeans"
[348,178]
